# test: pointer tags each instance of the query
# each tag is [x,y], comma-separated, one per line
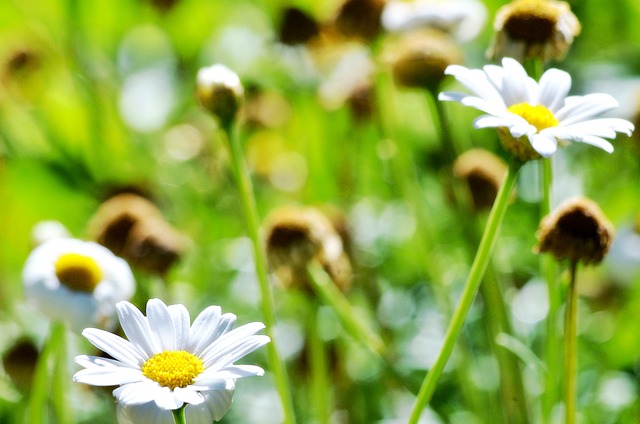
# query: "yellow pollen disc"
[173,368]
[78,272]
[538,116]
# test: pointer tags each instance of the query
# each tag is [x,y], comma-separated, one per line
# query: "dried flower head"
[132,227]
[297,27]
[360,18]
[483,171]
[577,230]
[295,237]
[420,58]
[19,362]
[220,91]
[542,29]
[153,245]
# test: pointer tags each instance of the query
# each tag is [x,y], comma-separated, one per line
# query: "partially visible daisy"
[534,118]
[77,282]
[541,29]
[167,363]
[462,19]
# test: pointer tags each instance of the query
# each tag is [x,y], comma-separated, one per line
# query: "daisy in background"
[534,118]
[462,19]
[168,364]
[76,282]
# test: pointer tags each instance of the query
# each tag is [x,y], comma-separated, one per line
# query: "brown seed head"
[297,27]
[419,58]
[541,29]
[483,171]
[577,230]
[360,18]
[298,235]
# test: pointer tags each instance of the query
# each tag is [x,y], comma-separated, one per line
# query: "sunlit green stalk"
[178,415]
[474,279]
[61,376]
[353,324]
[250,210]
[319,372]
[570,347]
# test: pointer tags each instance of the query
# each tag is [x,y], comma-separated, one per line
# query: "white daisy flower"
[463,19]
[166,363]
[77,282]
[533,118]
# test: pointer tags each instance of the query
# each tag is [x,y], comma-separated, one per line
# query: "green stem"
[319,371]
[358,329]
[178,415]
[470,289]
[570,347]
[60,373]
[250,209]
[549,273]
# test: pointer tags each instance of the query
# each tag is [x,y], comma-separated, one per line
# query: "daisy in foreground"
[534,118]
[168,365]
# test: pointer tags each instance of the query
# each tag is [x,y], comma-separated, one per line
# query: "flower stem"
[570,347]
[476,273]
[351,322]
[249,207]
[60,373]
[319,373]
[178,415]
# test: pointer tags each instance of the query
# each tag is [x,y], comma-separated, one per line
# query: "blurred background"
[97,99]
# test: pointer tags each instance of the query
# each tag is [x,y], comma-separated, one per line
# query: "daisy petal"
[181,323]
[554,87]
[545,146]
[115,346]
[598,142]
[236,371]
[136,328]
[187,395]
[137,393]
[161,323]
[227,353]
[165,398]
[105,372]
[581,108]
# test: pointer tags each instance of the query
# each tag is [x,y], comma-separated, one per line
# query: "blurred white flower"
[46,230]
[77,282]
[463,19]
[533,118]
[167,363]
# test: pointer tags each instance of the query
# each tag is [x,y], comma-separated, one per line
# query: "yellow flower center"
[533,21]
[78,272]
[173,368]
[538,116]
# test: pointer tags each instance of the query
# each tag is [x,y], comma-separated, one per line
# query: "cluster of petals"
[495,88]
[211,338]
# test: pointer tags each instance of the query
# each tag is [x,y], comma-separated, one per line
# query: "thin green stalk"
[474,279]
[548,271]
[319,371]
[571,347]
[358,329]
[250,210]
[61,376]
[40,386]
[178,415]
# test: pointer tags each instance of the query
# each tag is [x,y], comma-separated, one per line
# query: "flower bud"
[296,27]
[220,91]
[577,230]
[360,18]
